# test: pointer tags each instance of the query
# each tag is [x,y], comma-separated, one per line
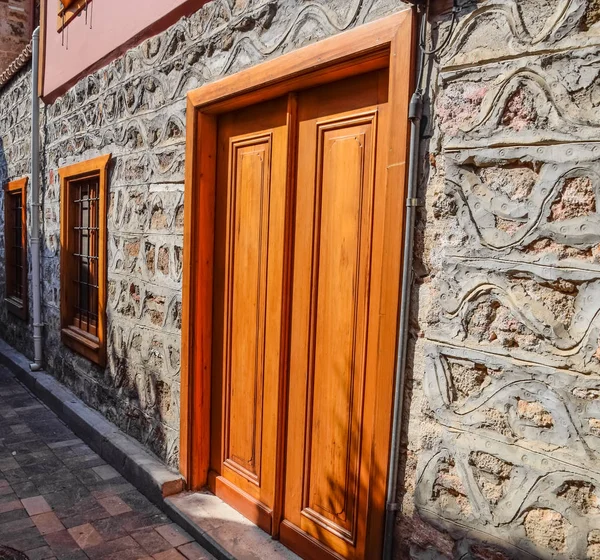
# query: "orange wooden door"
[247,313]
[339,381]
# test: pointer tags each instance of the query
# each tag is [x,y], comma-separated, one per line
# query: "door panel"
[340,298]
[250,219]
[333,372]
[246,306]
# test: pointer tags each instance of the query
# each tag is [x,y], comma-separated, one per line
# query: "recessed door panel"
[249,216]
[247,251]
[340,299]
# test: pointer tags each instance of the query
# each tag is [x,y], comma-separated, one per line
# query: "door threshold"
[222,530]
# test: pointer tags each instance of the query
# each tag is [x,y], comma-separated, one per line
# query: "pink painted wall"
[116,26]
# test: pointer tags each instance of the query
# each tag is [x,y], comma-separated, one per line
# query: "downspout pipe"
[415,113]
[35,204]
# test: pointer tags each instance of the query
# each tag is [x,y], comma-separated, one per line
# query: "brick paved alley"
[58,499]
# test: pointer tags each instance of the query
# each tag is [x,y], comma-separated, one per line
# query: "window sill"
[17,307]
[81,342]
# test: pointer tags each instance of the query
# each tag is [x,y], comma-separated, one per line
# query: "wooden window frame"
[386,43]
[16,306]
[69,10]
[92,348]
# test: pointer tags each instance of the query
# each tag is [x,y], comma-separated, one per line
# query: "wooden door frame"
[385,43]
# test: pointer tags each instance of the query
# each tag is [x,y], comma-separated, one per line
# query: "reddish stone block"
[85,536]
[114,505]
[151,541]
[47,523]
[61,543]
[36,505]
[174,534]
[193,551]
[169,555]
[10,506]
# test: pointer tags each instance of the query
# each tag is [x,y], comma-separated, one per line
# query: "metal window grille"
[85,228]
[15,285]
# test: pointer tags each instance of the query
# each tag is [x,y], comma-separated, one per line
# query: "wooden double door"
[301,381]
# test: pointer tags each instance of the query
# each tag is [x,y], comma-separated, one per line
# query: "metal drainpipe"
[35,203]
[414,114]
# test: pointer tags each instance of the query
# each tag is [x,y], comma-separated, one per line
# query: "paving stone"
[92,514]
[86,536]
[47,523]
[20,428]
[106,472]
[193,551]
[174,534]
[17,525]
[25,540]
[71,501]
[111,528]
[81,449]
[8,464]
[10,506]
[15,476]
[114,505]
[139,503]
[36,505]
[41,553]
[35,458]
[111,488]
[29,408]
[61,543]
[111,547]
[84,461]
[6,498]
[151,541]
[13,515]
[62,444]
[169,555]
[25,489]
[87,476]
[129,554]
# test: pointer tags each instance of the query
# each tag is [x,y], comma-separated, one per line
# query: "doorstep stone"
[223,531]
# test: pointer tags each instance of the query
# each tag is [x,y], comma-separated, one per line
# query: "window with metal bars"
[85,227]
[15,239]
[83,257]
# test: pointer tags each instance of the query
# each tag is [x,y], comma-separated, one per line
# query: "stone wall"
[134,108]
[15,163]
[14,29]
[503,402]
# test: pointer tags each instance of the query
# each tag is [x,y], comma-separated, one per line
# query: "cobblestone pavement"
[58,499]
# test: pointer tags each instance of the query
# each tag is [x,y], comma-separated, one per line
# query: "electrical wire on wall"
[415,114]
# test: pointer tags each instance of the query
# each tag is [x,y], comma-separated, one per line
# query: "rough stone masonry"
[502,412]
[503,407]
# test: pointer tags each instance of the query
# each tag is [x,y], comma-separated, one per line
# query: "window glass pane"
[15,245]
[85,226]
